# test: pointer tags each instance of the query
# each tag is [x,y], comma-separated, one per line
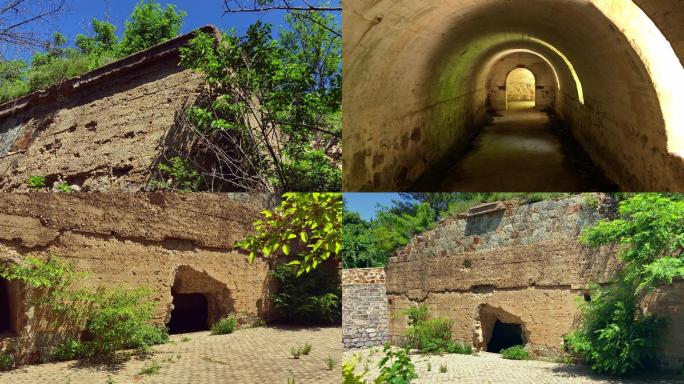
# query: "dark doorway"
[504,336]
[5,322]
[190,313]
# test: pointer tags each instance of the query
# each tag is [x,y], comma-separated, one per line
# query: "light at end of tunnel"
[578,83]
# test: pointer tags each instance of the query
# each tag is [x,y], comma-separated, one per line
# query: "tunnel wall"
[136,240]
[413,95]
[523,261]
[104,130]
[546,88]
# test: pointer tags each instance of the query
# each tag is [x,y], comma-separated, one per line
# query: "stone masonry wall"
[516,264]
[364,308]
[155,240]
[104,130]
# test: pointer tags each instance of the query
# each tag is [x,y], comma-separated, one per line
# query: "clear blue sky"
[200,12]
[367,204]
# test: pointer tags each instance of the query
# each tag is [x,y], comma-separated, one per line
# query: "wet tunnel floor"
[520,151]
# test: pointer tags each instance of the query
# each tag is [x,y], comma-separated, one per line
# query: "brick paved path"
[258,355]
[490,368]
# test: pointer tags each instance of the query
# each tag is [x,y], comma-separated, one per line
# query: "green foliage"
[293,85]
[179,175]
[313,298]
[396,367]
[152,368]
[431,335]
[6,361]
[64,187]
[349,375]
[306,348]
[36,182]
[69,349]
[148,25]
[225,326]
[615,334]
[296,352]
[516,352]
[443,368]
[330,363]
[312,221]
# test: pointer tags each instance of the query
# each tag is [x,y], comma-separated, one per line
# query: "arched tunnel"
[421,79]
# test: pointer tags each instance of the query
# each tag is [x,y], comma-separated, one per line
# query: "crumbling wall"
[138,240]
[104,130]
[364,308]
[518,264]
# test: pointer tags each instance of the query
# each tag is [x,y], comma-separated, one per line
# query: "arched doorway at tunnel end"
[521,89]
[496,329]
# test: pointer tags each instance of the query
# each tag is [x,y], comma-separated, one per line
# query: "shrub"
[443,368]
[69,349]
[36,182]
[516,352]
[6,361]
[225,326]
[179,174]
[306,348]
[349,375]
[296,352]
[396,367]
[431,335]
[416,314]
[312,171]
[312,298]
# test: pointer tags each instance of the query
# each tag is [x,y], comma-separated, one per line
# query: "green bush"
[516,352]
[416,314]
[178,174]
[150,24]
[396,367]
[69,349]
[311,171]
[349,375]
[36,182]
[312,298]
[431,335]
[225,326]
[6,361]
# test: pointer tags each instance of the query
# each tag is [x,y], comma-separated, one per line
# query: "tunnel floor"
[519,152]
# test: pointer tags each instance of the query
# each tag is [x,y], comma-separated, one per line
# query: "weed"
[185,339]
[64,187]
[291,380]
[429,366]
[330,363]
[296,352]
[516,352]
[306,349]
[443,368]
[110,380]
[6,361]
[151,369]
[224,326]
[36,182]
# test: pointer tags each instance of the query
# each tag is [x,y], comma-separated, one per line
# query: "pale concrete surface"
[518,152]
[490,368]
[258,355]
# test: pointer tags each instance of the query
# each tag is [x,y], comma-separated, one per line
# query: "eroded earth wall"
[364,308]
[104,130]
[516,264]
[161,241]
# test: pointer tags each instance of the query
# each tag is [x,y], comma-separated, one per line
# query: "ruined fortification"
[179,245]
[104,130]
[510,270]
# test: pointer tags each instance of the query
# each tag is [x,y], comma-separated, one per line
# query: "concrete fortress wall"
[104,130]
[518,265]
[364,308]
[161,241]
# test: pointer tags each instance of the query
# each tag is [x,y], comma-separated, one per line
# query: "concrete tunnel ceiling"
[619,83]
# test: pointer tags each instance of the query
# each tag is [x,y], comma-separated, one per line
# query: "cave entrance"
[504,336]
[521,89]
[5,309]
[190,313]
[499,329]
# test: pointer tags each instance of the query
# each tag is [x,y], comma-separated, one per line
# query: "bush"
[311,171]
[225,326]
[180,175]
[431,335]
[148,335]
[312,298]
[416,314]
[69,349]
[396,367]
[6,361]
[516,352]
[349,375]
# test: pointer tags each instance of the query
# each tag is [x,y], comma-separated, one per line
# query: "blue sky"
[366,204]
[200,12]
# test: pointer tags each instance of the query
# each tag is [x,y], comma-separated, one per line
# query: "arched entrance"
[190,313]
[499,329]
[5,310]
[520,89]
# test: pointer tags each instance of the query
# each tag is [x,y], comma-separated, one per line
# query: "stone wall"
[364,308]
[519,264]
[161,241]
[104,130]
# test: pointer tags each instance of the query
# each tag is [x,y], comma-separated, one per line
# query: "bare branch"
[17,17]
[241,6]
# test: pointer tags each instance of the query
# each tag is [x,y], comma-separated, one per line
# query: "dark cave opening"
[505,336]
[5,322]
[190,313]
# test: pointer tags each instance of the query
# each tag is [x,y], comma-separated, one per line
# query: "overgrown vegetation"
[431,335]
[396,367]
[225,325]
[148,24]
[112,318]
[516,352]
[6,361]
[369,244]
[616,334]
[271,119]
